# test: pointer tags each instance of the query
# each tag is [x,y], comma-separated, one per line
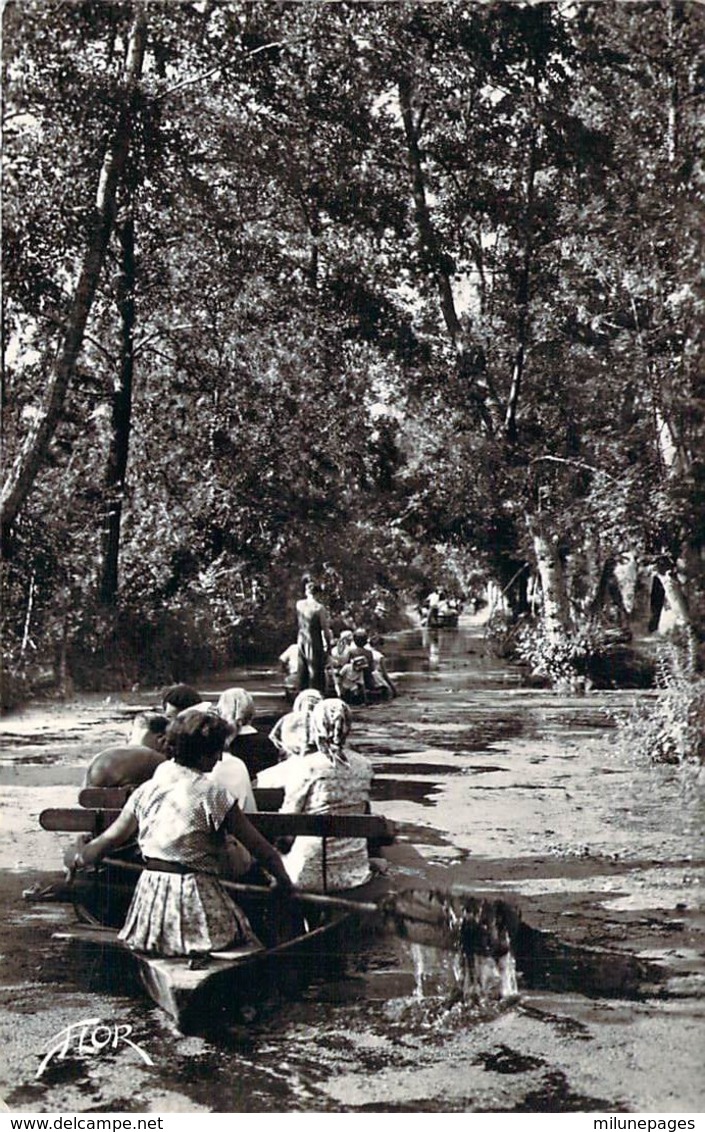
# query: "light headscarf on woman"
[236,707]
[344,642]
[306,701]
[303,707]
[331,721]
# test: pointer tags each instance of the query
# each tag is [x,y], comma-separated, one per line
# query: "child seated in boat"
[181,817]
[291,734]
[339,652]
[332,780]
[348,678]
[350,682]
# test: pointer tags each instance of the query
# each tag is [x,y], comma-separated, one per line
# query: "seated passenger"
[177,698]
[291,734]
[256,750]
[230,771]
[380,676]
[123,766]
[357,681]
[179,906]
[333,780]
[445,607]
[339,652]
[147,730]
[350,683]
[289,662]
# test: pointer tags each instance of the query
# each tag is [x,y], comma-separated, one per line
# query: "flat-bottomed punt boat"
[300,935]
[203,993]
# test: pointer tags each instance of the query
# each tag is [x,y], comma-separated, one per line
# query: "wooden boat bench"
[99,807]
[114,797]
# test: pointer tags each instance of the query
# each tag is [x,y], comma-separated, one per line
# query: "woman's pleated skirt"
[173,914]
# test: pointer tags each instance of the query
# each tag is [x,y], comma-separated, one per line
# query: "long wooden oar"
[320,900]
[444,920]
[448,921]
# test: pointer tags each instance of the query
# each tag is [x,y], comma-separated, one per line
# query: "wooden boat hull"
[440,621]
[297,941]
[206,993]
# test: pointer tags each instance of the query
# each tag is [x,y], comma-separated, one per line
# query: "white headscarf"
[331,721]
[236,706]
[306,701]
[302,710]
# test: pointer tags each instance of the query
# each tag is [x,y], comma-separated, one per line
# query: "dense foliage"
[669,727]
[394,292]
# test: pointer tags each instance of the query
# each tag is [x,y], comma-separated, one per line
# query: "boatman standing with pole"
[315,638]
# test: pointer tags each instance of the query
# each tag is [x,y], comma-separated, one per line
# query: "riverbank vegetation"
[391,292]
[670,727]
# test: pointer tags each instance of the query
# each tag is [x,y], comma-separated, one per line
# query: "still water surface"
[475,766]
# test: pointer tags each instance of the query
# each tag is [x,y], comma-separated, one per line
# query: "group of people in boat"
[193,766]
[351,667]
[438,609]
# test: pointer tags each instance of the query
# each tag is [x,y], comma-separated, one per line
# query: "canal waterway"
[498,788]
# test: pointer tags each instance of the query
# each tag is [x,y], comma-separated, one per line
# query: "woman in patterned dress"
[182,818]
[332,780]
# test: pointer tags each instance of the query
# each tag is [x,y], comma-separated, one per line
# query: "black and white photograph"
[353,559]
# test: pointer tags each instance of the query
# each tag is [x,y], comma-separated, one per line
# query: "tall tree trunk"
[674,17]
[469,364]
[32,454]
[676,459]
[524,283]
[555,611]
[121,415]
[667,574]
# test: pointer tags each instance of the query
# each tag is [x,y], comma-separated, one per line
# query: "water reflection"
[390,1032]
[403,789]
